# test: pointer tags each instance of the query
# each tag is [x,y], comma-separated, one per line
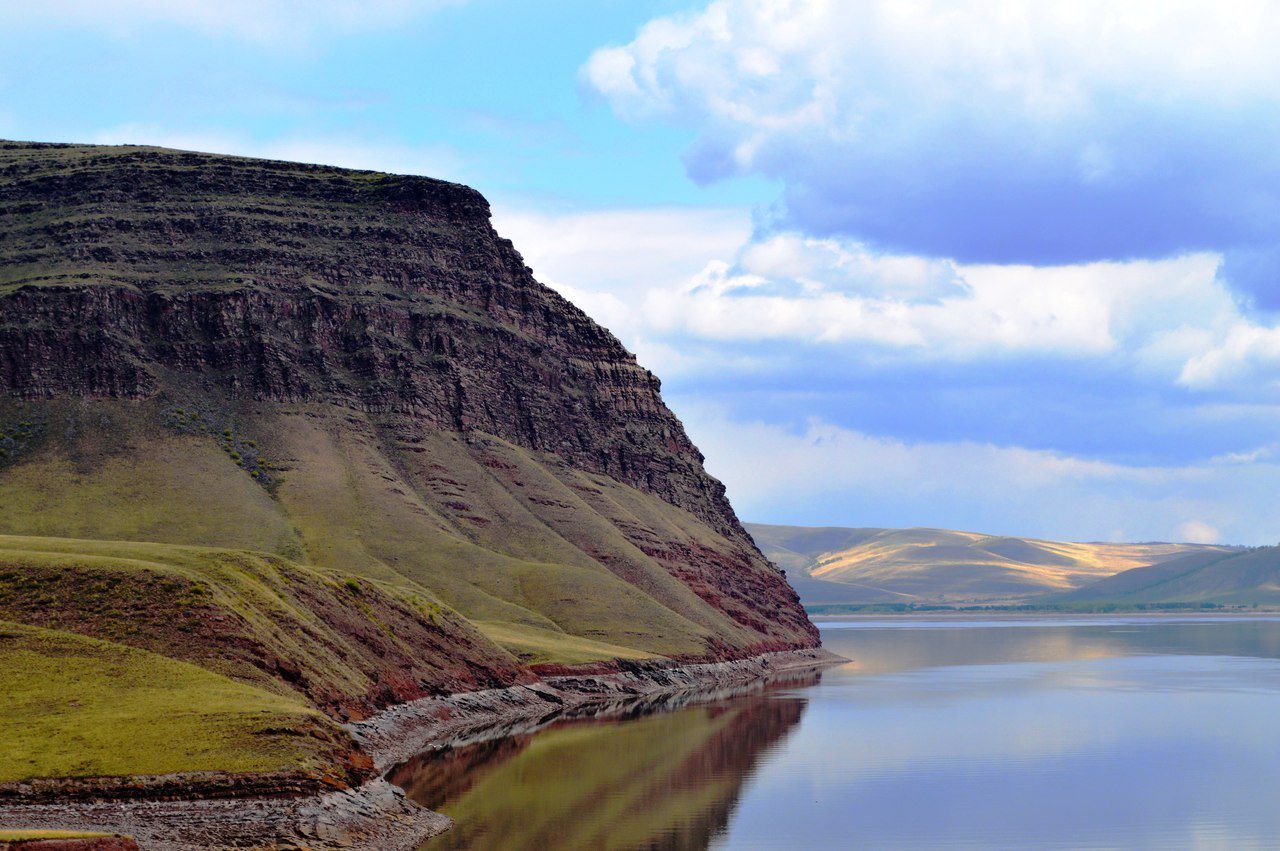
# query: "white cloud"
[264,21]
[607,261]
[623,249]
[849,268]
[344,151]
[1198,532]
[774,65]
[1246,354]
[1261,453]
[695,275]
[996,130]
[687,288]
[825,474]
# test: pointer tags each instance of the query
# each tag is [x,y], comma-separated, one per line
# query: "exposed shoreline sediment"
[376,814]
[400,732]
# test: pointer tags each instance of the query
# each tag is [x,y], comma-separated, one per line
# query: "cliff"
[288,283]
[256,415]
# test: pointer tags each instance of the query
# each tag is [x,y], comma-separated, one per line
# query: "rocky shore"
[403,731]
[58,841]
[377,815]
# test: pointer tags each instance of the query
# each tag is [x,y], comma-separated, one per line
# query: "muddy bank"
[377,815]
[400,732]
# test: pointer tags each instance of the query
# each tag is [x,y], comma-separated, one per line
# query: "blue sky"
[1004,266]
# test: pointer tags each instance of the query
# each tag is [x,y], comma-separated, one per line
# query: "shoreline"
[407,729]
[1044,614]
[377,814]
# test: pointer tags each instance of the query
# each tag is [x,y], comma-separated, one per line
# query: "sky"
[1008,266]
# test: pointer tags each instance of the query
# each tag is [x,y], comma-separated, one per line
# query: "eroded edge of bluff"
[284,282]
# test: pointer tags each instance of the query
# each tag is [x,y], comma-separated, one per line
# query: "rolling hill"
[1246,577]
[833,565]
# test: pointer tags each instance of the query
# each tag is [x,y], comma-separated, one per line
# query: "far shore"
[1046,614]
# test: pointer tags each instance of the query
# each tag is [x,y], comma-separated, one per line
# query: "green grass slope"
[558,565]
[345,645]
[939,566]
[353,572]
[78,707]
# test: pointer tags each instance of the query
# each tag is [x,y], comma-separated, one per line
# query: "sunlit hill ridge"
[863,566]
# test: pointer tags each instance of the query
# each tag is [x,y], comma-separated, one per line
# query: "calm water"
[1123,732]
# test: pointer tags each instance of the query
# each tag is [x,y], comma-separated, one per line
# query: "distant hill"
[1241,577]
[832,565]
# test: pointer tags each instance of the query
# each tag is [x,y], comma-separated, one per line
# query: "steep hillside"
[319,432]
[1244,577]
[832,565]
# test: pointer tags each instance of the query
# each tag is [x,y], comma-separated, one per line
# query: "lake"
[1090,732]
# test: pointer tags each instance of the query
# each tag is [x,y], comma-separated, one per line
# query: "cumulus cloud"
[968,312]
[806,264]
[264,21]
[690,276]
[606,262]
[624,251]
[1085,360]
[1198,532]
[1247,355]
[1009,132]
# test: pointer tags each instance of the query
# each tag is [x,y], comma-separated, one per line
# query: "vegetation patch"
[78,707]
[535,646]
[263,620]
[568,568]
[19,433]
[243,451]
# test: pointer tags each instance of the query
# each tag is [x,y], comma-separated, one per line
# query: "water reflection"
[1116,732]
[895,645]
[668,780]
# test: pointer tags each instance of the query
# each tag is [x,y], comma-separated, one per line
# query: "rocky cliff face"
[150,277]
[284,282]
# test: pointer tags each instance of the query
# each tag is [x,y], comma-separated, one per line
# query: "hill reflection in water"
[668,780]
[1016,732]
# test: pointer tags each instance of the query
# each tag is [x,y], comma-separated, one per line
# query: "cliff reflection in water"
[669,780]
